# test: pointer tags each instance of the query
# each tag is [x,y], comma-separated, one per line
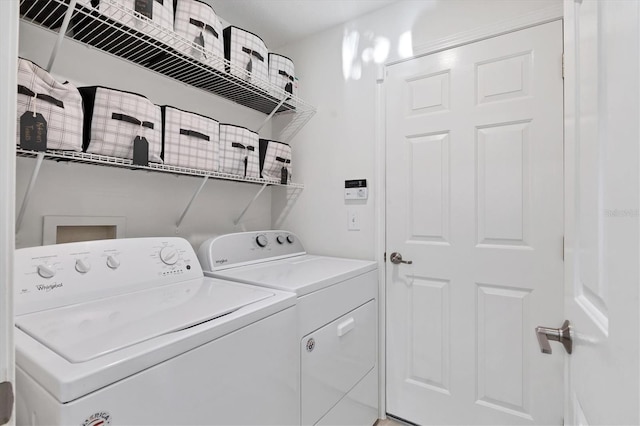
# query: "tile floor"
[389,422]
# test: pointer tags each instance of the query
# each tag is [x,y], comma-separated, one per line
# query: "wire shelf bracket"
[246,209]
[193,198]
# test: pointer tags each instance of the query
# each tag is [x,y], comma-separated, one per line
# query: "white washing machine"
[126,332]
[337,318]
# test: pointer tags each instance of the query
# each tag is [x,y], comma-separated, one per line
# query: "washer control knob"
[83,265]
[46,271]
[113,262]
[169,255]
[280,239]
[290,239]
[261,240]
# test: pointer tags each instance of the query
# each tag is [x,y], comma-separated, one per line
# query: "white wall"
[339,141]
[151,202]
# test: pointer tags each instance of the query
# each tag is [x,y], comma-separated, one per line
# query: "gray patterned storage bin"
[197,22]
[275,160]
[190,140]
[247,51]
[239,151]
[59,103]
[282,74]
[155,15]
[113,119]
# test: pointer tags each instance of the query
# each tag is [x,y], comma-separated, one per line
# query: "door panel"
[602,187]
[474,199]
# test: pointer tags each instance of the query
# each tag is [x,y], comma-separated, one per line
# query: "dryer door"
[335,358]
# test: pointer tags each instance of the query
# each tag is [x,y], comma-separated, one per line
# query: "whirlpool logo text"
[48,287]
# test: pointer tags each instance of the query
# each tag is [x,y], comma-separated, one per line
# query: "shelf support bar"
[195,195]
[27,195]
[61,33]
[270,116]
[235,222]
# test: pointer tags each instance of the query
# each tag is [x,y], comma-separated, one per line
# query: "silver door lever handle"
[397,259]
[562,335]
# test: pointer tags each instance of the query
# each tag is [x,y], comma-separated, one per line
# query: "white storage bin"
[59,103]
[282,74]
[198,23]
[275,160]
[248,52]
[152,17]
[190,140]
[239,151]
[113,120]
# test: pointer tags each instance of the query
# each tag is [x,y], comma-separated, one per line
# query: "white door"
[8,93]
[475,200]
[602,173]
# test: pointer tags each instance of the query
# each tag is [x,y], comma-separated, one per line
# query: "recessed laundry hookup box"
[42,99]
[239,151]
[189,140]
[275,161]
[282,75]
[115,121]
[248,56]
[198,23]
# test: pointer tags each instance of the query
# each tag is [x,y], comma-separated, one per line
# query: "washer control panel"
[247,247]
[62,274]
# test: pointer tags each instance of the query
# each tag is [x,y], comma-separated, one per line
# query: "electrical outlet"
[353,220]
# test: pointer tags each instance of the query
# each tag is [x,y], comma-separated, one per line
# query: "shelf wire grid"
[104,160]
[142,41]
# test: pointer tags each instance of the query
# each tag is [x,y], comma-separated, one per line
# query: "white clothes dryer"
[337,318]
[129,332]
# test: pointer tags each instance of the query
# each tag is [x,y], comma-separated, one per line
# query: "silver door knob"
[397,259]
[562,335]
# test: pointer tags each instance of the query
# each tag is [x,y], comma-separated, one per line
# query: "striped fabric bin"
[152,17]
[114,119]
[198,23]
[190,140]
[248,52]
[239,151]
[282,75]
[60,104]
[275,160]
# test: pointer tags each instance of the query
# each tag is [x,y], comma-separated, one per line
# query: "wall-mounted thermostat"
[355,189]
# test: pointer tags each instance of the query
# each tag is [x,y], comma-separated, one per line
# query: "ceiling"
[280,22]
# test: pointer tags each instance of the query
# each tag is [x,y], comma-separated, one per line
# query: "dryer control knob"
[113,262]
[261,240]
[280,239]
[46,271]
[169,255]
[290,239]
[83,265]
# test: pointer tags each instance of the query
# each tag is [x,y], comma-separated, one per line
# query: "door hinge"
[6,402]
[563,248]
[384,257]
[563,66]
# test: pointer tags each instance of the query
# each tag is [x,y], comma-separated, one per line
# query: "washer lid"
[300,274]
[86,331]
